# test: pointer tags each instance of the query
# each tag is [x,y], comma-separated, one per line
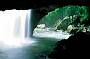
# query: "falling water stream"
[12,28]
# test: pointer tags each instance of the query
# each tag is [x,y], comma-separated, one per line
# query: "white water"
[12,28]
[46,32]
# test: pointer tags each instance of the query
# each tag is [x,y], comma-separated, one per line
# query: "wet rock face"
[75,46]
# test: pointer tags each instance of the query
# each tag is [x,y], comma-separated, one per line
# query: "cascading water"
[14,28]
[27,24]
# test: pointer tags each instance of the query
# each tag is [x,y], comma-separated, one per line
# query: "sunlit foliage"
[61,18]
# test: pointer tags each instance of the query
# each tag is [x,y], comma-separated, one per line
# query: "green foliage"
[51,19]
[61,18]
[83,13]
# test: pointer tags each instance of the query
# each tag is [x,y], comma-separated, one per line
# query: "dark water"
[37,50]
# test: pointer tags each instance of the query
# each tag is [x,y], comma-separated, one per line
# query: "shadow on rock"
[77,45]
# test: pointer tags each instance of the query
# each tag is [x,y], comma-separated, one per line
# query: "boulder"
[41,26]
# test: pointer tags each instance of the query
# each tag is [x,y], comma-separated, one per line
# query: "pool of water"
[37,50]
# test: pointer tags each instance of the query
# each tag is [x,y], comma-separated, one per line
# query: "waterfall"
[27,24]
[15,27]
[22,19]
[22,26]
